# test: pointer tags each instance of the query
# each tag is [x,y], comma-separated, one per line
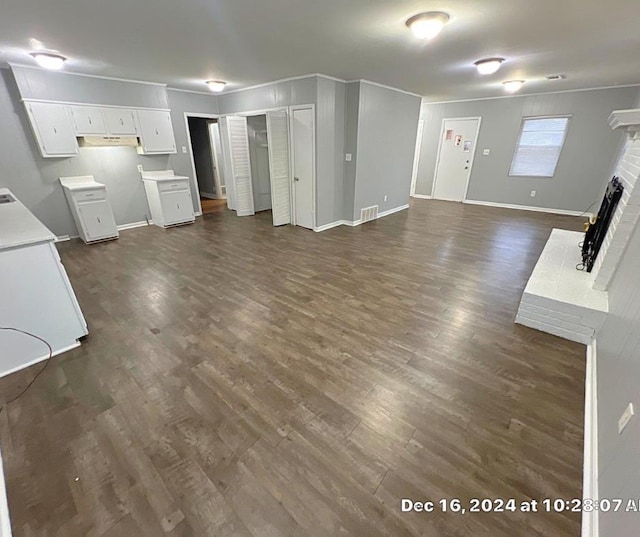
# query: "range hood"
[108,141]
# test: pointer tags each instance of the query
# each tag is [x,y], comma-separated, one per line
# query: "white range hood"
[108,141]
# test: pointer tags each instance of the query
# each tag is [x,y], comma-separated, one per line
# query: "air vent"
[369,213]
[556,77]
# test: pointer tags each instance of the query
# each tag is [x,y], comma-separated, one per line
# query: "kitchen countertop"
[163,175]
[18,226]
[81,182]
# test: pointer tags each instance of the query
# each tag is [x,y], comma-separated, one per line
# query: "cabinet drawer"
[90,195]
[173,186]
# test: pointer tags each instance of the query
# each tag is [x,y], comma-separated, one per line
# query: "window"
[539,146]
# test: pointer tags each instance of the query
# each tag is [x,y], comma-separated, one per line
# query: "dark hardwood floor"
[246,380]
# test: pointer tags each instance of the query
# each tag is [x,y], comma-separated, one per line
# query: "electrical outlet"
[485,152]
[140,169]
[533,193]
[625,418]
[385,197]
[347,157]
[184,148]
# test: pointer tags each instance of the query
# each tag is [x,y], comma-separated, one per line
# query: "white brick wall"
[625,218]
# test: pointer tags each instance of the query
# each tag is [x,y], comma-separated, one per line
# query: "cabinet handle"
[157,132]
[90,122]
[99,220]
[178,205]
[55,131]
[89,195]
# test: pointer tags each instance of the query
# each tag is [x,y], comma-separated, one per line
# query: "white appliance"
[90,208]
[169,198]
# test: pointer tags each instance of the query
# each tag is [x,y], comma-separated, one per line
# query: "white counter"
[18,226]
[36,295]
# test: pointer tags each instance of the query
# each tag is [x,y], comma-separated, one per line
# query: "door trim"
[473,154]
[312,107]
[416,158]
[194,180]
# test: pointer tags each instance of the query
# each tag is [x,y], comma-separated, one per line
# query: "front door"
[457,148]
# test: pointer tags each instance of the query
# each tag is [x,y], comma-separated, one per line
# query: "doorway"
[259,158]
[303,166]
[205,163]
[455,158]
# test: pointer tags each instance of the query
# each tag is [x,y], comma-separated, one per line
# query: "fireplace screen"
[597,231]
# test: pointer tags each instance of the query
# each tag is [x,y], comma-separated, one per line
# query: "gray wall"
[181,103]
[585,163]
[618,374]
[330,149]
[351,146]
[386,138]
[279,94]
[260,174]
[201,145]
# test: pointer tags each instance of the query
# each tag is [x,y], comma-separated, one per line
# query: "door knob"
[296,178]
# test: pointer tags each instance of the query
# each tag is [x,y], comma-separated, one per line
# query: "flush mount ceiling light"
[216,85]
[49,60]
[427,25]
[512,85]
[488,66]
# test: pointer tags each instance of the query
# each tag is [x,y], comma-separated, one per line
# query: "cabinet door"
[120,122]
[53,128]
[88,120]
[97,220]
[176,207]
[156,131]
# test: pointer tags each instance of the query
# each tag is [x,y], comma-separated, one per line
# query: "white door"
[216,151]
[226,163]
[97,219]
[240,161]
[416,157]
[156,131]
[176,206]
[278,145]
[455,158]
[302,128]
[54,129]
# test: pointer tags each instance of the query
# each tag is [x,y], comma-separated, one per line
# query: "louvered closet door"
[278,142]
[240,165]
[226,163]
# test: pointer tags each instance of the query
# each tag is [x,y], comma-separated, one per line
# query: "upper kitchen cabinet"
[120,121]
[156,132]
[88,120]
[54,130]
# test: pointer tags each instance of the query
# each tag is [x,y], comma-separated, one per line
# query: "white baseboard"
[324,227]
[133,225]
[39,359]
[590,471]
[421,196]
[527,208]
[208,195]
[60,238]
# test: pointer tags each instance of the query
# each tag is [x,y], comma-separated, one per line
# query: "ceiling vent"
[556,77]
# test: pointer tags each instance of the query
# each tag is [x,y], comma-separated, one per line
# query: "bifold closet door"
[240,164]
[278,144]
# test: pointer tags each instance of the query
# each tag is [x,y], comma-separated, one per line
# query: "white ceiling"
[184,42]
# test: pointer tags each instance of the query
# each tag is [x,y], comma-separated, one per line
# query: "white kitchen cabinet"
[156,132]
[169,198]
[88,121]
[120,121]
[53,128]
[90,208]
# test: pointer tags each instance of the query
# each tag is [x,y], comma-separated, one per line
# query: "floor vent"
[369,213]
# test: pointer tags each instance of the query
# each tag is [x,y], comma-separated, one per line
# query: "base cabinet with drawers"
[169,198]
[90,208]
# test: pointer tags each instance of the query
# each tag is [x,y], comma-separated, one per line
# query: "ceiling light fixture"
[427,25]
[489,65]
[512,85]
[216,85]
[49,60]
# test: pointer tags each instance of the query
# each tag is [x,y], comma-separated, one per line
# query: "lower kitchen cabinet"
[169,198]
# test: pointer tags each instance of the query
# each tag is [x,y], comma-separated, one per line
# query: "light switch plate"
[533,193]
[625,418]
[385,197]
[485,152]
[348,157]
[140,169]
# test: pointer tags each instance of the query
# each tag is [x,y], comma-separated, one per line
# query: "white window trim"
[520,132]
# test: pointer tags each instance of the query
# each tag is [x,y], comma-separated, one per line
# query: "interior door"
[278,145]
[216,151]
[97,219]
[457,149]
[240,161]
[302,127]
